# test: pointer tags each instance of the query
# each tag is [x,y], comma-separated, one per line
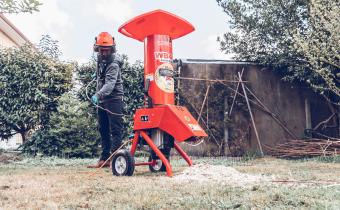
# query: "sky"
[75,23]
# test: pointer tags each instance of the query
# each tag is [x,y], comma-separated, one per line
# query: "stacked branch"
[306,148]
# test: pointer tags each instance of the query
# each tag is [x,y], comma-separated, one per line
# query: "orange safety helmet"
[104,39]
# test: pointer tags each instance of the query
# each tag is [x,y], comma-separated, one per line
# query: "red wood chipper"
[160,124]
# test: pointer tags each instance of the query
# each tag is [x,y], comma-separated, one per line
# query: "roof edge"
[15,28]
[215,61]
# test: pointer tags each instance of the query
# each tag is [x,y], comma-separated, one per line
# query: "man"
[109,96]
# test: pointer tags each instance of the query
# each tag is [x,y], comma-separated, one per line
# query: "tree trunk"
[23,136]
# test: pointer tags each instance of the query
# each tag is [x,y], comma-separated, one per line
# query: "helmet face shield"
[105,54]
[105,51]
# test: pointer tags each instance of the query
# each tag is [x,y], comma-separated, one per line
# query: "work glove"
[94,100]
[94,75]
[131,135]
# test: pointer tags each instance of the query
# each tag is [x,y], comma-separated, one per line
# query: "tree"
[71,131]
[59,83]
[133,81]
[21,6]
[265,32]
[320,44]
[49,47]
[30,84]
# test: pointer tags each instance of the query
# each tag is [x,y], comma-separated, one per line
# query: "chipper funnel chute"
[160,123]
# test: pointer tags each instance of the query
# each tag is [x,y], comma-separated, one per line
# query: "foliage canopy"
[30,84]
[297,38]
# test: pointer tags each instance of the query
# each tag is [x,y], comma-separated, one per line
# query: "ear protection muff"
[114,46]
[95,47]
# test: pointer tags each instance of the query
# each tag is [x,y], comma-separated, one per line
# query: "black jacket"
[109,81]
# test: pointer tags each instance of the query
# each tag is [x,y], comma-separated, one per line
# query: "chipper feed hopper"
[160,123]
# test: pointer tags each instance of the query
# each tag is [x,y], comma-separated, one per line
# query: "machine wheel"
[123,164]
[158,167]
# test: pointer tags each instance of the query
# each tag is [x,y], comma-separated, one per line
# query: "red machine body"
[157,29]
[174,120]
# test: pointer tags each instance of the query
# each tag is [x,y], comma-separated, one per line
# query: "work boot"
[99,164]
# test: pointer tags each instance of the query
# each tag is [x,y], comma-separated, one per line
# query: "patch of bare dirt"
[220,174]
[6,158]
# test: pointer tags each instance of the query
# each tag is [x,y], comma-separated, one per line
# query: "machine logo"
[164,57]
[144,118]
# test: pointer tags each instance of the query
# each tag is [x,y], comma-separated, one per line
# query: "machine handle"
[147,86]
[146,92]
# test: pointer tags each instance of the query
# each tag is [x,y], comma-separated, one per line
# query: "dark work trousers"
[110,126]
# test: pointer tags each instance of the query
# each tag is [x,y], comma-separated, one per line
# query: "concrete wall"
[284,100]
[13,143]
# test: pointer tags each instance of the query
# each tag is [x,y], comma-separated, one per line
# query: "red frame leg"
[134,143]
[145,164]
[158,153]
[183,154]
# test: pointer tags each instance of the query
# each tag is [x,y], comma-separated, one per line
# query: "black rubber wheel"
[159,167]
[123,163]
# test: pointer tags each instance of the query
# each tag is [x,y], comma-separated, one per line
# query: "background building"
[10,36]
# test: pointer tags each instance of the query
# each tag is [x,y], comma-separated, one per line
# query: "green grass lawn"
[53,183]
